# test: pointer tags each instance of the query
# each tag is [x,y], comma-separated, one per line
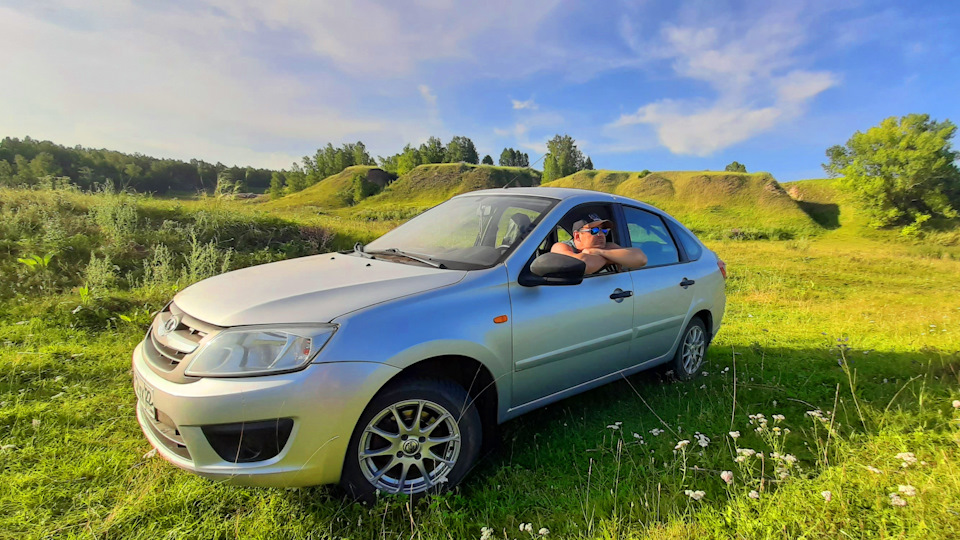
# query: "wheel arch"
[472,375]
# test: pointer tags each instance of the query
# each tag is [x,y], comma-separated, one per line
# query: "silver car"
[388,368]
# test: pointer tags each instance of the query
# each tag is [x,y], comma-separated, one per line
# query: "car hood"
[306,290]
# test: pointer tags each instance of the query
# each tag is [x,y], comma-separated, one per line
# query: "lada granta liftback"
[388,368]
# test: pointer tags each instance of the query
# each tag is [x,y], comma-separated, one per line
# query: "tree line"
[30,162]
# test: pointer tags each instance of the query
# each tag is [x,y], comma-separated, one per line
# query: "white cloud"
[528,104]
[428,95]
[748,65]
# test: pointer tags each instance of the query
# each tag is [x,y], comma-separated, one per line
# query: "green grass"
[859,327]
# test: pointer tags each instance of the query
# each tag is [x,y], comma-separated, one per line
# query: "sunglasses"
[595,231]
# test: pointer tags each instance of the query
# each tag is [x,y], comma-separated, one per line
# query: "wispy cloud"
[428,95]
[750,67]
[520,105]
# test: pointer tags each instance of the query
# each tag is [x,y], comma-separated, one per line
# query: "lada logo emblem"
[169,326]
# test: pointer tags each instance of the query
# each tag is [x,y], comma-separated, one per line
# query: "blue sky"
[639,85]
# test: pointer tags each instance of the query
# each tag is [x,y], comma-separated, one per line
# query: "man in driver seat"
[590,245]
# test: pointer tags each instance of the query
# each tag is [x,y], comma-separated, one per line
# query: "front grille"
[166,347]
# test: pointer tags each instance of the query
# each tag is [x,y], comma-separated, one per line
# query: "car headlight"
[245,352]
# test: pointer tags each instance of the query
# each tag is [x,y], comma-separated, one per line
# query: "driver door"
[568,336]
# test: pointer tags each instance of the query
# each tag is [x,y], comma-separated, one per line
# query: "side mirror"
[554,269]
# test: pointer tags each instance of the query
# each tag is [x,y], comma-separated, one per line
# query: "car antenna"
[514,179]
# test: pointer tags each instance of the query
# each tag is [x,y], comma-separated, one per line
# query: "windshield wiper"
[419,258]
[358,249]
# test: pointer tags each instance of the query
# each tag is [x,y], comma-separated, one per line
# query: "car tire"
[387,458]
[691,351]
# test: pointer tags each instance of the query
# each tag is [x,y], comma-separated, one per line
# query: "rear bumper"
[324,401]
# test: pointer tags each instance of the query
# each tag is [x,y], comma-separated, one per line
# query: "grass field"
[852,337]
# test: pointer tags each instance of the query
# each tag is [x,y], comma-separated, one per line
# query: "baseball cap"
[592,218]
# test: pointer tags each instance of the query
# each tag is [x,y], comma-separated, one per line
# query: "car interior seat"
[518,227]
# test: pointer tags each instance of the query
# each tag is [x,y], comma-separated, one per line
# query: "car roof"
[574,195]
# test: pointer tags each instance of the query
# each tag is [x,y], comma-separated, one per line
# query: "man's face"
[583,238]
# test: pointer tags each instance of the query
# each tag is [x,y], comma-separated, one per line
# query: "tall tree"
[487,160]
[588,164]
[277,182]
[461,149]
[408,160]
[562,158]
[432,151]
[902,171]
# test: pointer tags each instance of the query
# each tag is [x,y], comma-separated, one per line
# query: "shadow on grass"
[827,215]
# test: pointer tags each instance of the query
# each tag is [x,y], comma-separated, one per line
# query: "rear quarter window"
[690,244]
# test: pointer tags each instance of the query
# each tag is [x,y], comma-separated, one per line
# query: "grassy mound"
[715,204]
[433,184]
[328,194]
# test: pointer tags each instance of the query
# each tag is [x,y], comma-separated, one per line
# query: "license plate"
[144,397]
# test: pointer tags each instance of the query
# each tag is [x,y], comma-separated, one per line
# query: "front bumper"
[324,401]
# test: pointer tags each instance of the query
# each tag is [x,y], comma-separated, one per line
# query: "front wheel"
[693,347]
[419,435]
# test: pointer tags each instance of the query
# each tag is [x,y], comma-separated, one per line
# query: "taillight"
[723,268]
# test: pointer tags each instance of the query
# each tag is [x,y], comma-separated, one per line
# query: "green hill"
[421,188]
[328,194]
[716,204]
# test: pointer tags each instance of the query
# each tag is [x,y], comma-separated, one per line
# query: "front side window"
[649,233]
[465,233]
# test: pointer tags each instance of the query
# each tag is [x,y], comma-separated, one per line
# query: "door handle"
[686,283]
[619,295]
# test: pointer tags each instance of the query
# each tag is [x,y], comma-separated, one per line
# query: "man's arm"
[629,258]
[594,262]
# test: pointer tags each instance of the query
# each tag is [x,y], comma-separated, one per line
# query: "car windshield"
[464,233]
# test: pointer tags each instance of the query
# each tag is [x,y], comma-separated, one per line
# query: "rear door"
[660,301]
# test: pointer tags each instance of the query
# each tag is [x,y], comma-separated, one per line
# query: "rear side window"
[690,244]
[649,233]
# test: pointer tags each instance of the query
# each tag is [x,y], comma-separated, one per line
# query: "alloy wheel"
[409,447]
[694,345]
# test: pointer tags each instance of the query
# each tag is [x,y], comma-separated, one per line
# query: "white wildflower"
[486,533]
[613,427]
[753,494]
[748,452]
[727,477]
[526,527]
[826,495]
[776,430]
[695,495]
[637,435]
[956,404]
[895,500]
[543,531]
[786,431]
[907,458]
[681,445]
[656,431]
[734,434]
[817,413]
[703,387]
[790,458]
[779,418]
[36,422]
[908,490]
[702,439]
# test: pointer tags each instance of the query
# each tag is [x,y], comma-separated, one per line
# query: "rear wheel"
[690,354]
[418,436]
